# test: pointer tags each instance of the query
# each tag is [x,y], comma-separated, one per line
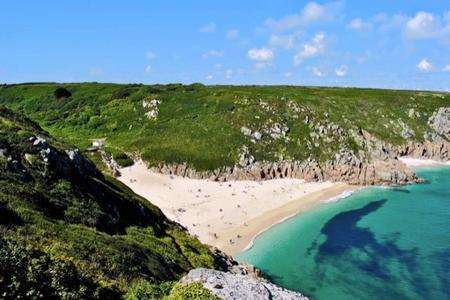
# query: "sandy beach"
[228,215]
[415,162]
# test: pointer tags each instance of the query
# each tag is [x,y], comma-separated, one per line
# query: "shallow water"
[379,243]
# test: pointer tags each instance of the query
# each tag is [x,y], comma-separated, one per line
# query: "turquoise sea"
[379,243]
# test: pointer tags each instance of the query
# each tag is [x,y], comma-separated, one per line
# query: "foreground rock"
[235,286]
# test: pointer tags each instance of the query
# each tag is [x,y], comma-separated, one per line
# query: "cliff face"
[247,132]
[376,162]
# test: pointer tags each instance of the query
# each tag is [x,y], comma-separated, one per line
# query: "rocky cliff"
[376,162]
[231,286]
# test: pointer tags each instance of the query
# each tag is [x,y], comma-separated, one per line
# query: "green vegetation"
[67,231]
[201,125]
[193,291]
[119,156]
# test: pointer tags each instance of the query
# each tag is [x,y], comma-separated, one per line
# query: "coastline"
[266,221]
[419,162]
[229,215]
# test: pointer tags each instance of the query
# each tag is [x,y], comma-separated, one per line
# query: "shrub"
[120,157]
[121,93]
[86,212]
[195,87]
[95,122]
[62,93]
[61,194]
[144,290]
[193,291]
[27,273]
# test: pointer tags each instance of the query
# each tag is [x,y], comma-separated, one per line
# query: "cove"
[379,243]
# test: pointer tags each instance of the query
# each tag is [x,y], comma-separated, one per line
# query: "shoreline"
[420,162]
[229,215]
[269,219]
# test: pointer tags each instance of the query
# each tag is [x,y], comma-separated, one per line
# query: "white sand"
[415,162]
[227,215]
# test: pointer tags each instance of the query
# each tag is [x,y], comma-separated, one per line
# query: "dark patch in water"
[343,234]
[401,190]
[347,243]
[442,270]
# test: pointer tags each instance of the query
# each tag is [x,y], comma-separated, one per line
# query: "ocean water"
[379,243]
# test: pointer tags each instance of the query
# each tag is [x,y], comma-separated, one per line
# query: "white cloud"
[446,68]
[209,77]
[150,55]
[288,74]
[311,12]
[261,54]
[317,72]
[359,24]
[212,53]
[232,34]
[424,65]
[96,71]
[282,41]
[148,69]
[341,71]
[311,49]
[208,28]
[424,25]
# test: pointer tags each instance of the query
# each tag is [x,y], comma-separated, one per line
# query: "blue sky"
[390,44]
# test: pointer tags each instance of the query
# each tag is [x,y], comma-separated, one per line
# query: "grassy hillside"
[68,232]
[208,126]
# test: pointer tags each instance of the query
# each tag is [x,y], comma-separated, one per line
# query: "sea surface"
[378,243]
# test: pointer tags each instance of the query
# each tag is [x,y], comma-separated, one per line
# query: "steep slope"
[237,132]
[69,232]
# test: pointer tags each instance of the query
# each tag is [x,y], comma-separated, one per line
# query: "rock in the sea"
[230,286]
[440,121]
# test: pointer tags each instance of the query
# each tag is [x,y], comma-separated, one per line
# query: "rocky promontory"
[229,286]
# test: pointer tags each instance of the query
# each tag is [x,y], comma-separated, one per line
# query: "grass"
[201,125]
[67,231]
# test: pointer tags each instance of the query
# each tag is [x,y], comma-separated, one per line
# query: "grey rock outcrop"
[355,171]
[109,161]
[375,162]
[230,286]
[68,164]
[440,121]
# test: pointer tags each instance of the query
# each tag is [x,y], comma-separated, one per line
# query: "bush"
[62,93]
[120,157]
[144,290]
[61,194]
[27,273]
[86,212]
[95,122]
[193,291]
[121,93]
[195,87]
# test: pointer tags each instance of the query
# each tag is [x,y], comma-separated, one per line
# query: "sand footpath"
[228,215]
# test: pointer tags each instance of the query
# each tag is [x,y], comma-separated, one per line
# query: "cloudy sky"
[391,44]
